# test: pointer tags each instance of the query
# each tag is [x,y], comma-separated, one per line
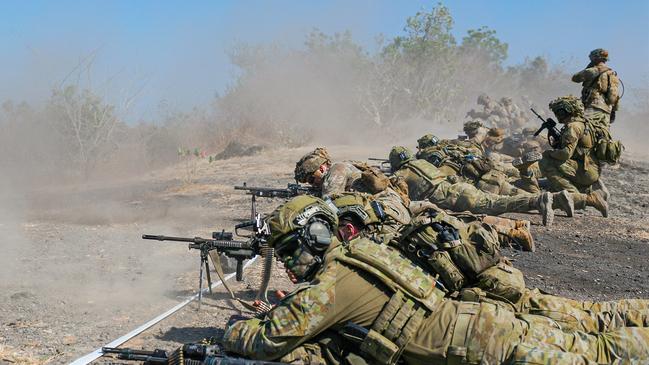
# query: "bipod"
[204,263]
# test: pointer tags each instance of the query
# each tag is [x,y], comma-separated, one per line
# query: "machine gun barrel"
[199,243]
[290,191]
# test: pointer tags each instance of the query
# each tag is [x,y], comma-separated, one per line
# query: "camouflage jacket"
[341,177]
[576,141]
[600,87]
[360,291]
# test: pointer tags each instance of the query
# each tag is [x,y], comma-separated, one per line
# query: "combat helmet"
[428,140]
[310,163]
[398,156]
[294,216]
[471,127]
[567,106]
[358,206]
[598,54]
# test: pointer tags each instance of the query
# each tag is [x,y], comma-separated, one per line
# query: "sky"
[175,53]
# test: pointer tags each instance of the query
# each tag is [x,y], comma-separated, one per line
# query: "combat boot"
[563,200]
[544,206]
[522,236]
[597,201]
[512,231]
[599,186]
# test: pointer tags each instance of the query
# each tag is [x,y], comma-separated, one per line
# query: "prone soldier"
[388,309]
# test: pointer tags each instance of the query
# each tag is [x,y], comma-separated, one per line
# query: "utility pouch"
[451,276]
[379,349]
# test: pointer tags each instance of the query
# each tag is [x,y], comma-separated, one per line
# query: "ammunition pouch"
[608,151]
[393,329]
[457,351]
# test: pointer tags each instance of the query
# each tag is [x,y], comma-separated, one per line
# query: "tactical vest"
[456,251]
[415,295]
[395,213]
[425,180]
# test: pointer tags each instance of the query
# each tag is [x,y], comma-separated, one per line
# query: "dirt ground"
[75,274]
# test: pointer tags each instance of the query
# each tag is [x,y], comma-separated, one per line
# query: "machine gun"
[188,354]
[290,191]
[223,243]
[554,136]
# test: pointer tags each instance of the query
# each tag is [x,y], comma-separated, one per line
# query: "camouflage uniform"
[341,177]
[426,182]
[338,178]
[600,89]
[466,159]
[498,282]
[573,165]
[374,286]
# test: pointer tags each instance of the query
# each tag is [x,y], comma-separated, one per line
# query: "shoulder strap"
[594,80]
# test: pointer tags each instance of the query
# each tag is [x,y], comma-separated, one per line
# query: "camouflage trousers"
[586,316]
[498,336]
[466,197]
[497,182]
[572,175]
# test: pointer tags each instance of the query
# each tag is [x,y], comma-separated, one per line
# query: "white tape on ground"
[86,359]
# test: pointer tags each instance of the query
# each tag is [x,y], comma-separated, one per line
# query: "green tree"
[483,42]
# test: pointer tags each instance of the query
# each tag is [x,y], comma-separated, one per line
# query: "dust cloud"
[78,190]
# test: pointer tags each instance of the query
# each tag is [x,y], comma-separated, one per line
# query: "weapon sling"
[216,262]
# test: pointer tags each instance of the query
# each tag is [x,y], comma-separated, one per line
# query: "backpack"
[605,148]
[445,246]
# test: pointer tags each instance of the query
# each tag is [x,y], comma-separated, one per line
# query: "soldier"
[317,169]
[472,258]
[427,182]
[466,159]
[387,309]
[573,166]
[600,92]
[358,214]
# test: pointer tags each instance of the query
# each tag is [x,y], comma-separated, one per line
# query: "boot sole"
[567,201]
[547,212]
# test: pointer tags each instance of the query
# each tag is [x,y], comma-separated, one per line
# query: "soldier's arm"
[339,295]
[569,138]
[585,75]
[337,179]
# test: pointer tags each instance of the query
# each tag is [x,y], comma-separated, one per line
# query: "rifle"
[188,354]
[554,136]
[223,243]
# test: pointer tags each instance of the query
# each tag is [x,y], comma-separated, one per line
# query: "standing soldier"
[600,93]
